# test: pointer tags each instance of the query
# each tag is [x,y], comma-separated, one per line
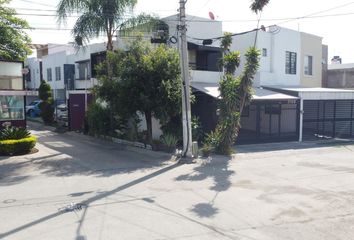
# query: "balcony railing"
[205,76]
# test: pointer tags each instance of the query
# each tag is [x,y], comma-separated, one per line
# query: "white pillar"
[301,123]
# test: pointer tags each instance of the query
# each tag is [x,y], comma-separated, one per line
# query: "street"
[79,188]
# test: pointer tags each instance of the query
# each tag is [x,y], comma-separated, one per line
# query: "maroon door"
[77,110]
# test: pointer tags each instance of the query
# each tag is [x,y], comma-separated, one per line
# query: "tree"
[147,80]
[235,92]
[46,106]
[98,17]
[13,39]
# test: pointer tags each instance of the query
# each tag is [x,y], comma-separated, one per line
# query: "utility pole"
[186,104]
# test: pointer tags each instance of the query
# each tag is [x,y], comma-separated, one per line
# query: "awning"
[18,93]
[316,93]
[212,89]
[259,94]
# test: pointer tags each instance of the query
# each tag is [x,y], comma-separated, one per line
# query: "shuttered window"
[290,62]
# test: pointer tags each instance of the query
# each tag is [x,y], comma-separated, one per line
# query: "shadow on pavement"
[216,169]
[89,201]
[68,156]
[267,147]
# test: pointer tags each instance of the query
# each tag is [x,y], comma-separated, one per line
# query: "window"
[11,83]
[308,65]
[82,68]
[290,62]
[11,76]
[264,52]
[11,107]
[57,74]
[49,74]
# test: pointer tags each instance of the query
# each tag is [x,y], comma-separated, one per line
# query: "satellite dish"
[211,15]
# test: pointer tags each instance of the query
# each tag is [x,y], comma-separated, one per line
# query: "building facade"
[12,94]
[340,76]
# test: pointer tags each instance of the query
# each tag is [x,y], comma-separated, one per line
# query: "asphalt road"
[76,188]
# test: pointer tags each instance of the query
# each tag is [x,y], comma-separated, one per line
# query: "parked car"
[61,113]
[33,109]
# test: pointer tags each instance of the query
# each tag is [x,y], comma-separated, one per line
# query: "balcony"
[205,76]
[85,84]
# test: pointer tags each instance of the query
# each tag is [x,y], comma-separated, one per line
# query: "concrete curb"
[129,147]
[40,125]
[133,147]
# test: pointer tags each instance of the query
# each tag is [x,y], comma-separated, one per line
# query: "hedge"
[20,146]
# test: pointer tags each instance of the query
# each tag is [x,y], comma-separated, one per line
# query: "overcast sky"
[329,19]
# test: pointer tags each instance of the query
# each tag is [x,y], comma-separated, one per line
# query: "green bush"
[46,106]
[207,149]
[14,133]
[173,126]
[98,120]
[17,146]
[197,130]
[169,140]
[47,112]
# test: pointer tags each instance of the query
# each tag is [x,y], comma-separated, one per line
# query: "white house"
[288,57]
[289,102]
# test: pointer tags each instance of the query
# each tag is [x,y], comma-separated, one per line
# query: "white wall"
[285,40]
[56,60]
[33,65]
[311,45]
[156,127]
[198,28]
[272,67]
[55,48]
[205,76]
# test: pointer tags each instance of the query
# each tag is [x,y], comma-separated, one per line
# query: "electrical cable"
[322,11]
[206,3]
[37,3]
[226,20]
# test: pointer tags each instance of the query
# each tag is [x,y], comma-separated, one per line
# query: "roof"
[340,66]
[212,89]
[189,18]
[259,94]
[317,93]
[265,94]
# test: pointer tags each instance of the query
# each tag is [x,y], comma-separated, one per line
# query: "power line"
[54,10]
[37,9]
[206,3]
[226,20]
[37,3]
[315,13]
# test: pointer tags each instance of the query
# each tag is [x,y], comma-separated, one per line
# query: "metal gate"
[328,119]
[269,121]
[77,110]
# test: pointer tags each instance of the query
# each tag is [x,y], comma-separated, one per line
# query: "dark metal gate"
[270,121]
[328,119]
[77,110]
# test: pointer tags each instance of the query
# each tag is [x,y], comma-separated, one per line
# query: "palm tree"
[258,5]
[101,17]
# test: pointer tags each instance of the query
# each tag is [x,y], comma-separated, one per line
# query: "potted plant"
[15,141]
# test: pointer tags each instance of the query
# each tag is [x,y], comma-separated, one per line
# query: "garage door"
[328,119]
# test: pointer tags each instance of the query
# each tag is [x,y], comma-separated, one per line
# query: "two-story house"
[289,102]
